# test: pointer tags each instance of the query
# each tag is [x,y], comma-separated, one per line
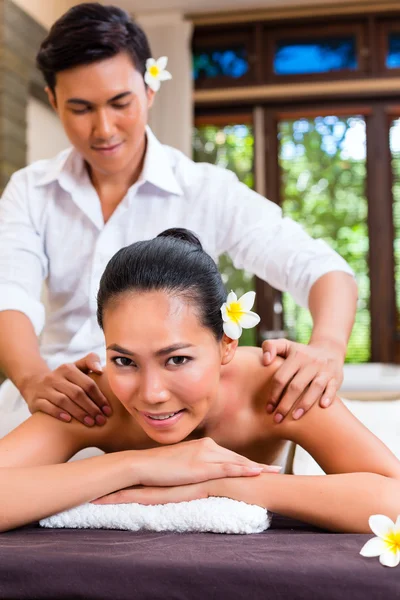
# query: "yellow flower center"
[393,541]
[154,71]
[234,311]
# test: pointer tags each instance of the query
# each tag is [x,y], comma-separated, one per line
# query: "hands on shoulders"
[68,392]
[308,375]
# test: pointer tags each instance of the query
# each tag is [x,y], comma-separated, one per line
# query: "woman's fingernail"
[65,417]
[274,468]
[298,413]
[98,366]
[100,420]
[325,402]
[88,421]
[107,410]
[278,418]
[255,469]
[270,408]
[268,356]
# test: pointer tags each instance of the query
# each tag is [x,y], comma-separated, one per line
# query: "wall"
[46,12]
[45,135]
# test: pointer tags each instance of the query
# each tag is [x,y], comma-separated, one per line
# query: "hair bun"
[180,233]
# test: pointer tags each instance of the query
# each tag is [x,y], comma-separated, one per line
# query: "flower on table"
[386,544]
[237,314]
[155,72]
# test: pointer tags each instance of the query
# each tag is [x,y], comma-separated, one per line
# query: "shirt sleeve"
[259,239]
[23,263]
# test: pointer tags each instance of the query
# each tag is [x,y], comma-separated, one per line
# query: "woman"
[188,413]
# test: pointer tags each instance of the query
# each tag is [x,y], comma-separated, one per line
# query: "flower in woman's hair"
[155,72]
[387,543]
[237,314]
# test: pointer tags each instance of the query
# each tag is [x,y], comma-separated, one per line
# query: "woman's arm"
[340,503]
[32,483]
[363,475]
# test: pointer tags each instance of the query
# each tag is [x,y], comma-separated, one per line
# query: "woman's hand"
[193,462]
[310,374]
[156,495]
[68,392]
[230,487]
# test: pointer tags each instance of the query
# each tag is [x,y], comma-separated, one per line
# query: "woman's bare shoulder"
[43,440]
[248,365]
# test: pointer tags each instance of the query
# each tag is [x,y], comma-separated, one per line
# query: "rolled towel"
[216,515]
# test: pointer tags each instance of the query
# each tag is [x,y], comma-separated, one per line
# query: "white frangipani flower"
[155,72]
[387,543]
[237,314]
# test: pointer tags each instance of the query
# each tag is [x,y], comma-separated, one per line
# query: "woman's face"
[162,364]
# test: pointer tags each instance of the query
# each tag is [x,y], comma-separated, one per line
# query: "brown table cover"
[290,561]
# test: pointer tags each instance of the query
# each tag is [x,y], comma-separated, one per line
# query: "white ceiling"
[204,6]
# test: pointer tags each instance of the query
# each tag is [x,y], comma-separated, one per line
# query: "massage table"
[290,561]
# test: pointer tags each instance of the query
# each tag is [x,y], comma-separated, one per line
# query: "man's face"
[103,108]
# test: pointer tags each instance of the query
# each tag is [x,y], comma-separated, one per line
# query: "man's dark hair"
[88,33]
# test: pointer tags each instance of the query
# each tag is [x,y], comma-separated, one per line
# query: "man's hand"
[310,374]
[68,392]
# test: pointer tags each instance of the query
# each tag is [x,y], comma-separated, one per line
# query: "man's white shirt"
[52,230]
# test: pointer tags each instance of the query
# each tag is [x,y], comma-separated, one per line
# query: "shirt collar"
[157,168]
[69,169]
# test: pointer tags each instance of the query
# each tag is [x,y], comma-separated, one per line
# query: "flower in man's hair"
[155,72]
[237,314]
[387,543]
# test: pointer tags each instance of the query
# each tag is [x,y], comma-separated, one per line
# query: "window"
[231,62]
[323,175]
[315,56]
[331,159]
[223,58]
[393,53]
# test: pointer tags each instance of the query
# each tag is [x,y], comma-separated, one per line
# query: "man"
[62,219]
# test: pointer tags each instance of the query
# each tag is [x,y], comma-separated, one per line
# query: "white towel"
[216,515]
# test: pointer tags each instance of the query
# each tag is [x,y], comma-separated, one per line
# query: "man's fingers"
[269,353]
[45,406]
[65,405]
[90,362]
[312,395]
[281,379]
[294,391]
[79,404]
[90,387]
[330,393]
[273,348]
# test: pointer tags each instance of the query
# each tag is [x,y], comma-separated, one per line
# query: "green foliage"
[230,147]
[395,150]
[323,181]
[323,177]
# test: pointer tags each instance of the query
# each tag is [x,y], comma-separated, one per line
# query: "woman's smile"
[162,420]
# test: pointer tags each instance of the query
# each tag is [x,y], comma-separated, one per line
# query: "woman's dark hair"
[175,262]
[88,33]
